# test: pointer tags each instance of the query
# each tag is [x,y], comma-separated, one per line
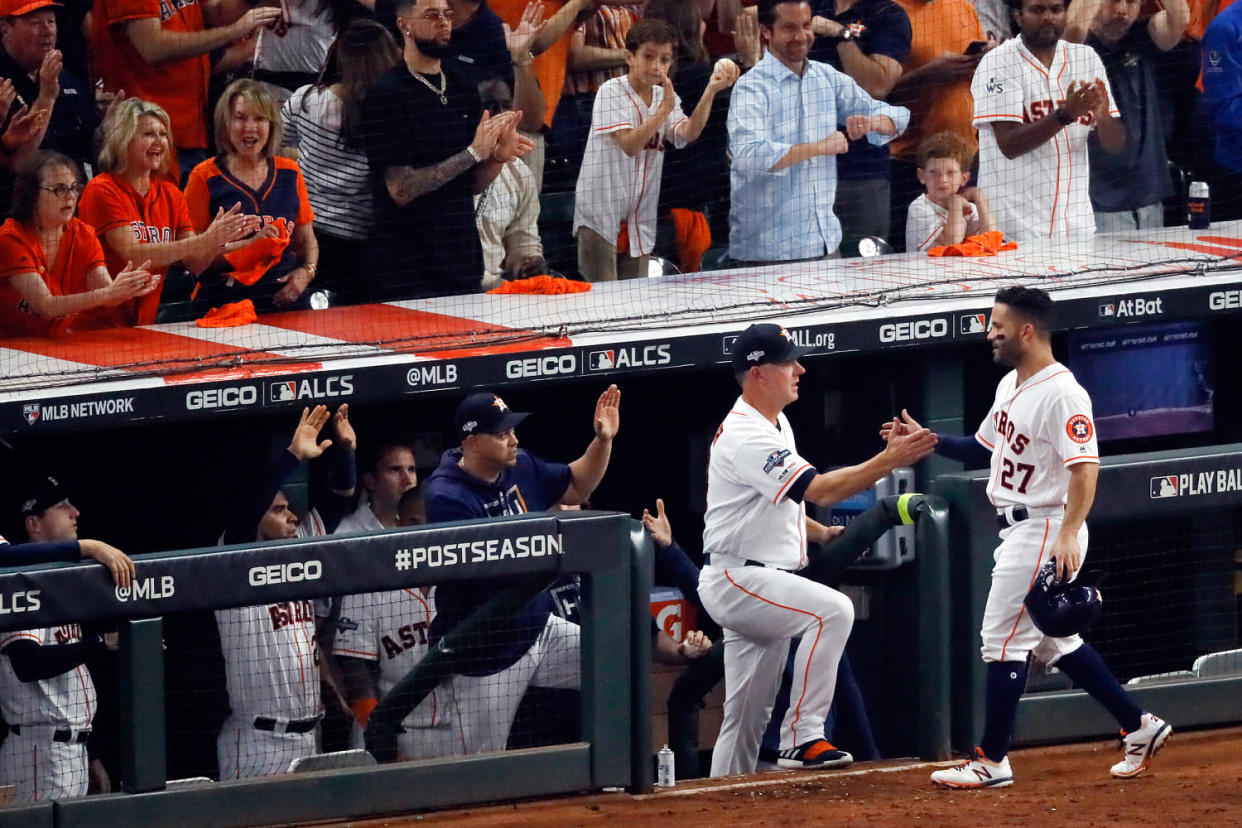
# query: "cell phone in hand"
[976,47]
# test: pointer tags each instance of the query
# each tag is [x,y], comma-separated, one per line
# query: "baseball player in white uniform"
[389,630]
[49,716]
[47,695]
[755,538]
[1037,98]
[632,119]
[1044,463]
[271,662]
[271,653]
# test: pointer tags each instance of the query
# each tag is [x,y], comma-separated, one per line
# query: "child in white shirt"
[634,115]
[949,211]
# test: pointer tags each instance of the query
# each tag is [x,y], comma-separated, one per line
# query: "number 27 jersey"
[1035,432]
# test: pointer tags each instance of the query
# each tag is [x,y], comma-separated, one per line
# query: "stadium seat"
[853,247]
[1224,663]
[659,266]
[556,229]
[716,258]
[1175,205]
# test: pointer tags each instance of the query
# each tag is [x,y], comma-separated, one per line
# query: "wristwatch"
[846,35]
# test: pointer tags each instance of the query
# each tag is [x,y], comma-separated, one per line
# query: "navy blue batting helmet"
[1062,609]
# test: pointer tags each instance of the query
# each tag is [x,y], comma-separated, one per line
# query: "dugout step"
[1223,663]
[1163,678]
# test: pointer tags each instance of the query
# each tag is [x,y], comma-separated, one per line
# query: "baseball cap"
[485,413]
[40,493]
[762,343]
[16,8]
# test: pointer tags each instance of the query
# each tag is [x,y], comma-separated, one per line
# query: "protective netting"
[1171,597]
[251,690]
[336,160]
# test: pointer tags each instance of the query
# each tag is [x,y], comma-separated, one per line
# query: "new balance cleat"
[1140,746]
[976,772]
[813,755]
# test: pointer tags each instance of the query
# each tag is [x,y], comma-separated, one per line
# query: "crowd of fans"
[384,150]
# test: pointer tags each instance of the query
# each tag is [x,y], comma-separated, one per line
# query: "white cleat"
[977,772]
[1140,746]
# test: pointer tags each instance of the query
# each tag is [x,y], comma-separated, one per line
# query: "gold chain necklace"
[443,85]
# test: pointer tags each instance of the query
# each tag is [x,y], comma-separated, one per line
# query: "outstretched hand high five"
[608,413]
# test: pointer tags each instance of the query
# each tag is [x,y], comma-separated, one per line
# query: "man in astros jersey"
[755,538]
[1037,99]
[1041,445]
[271,651]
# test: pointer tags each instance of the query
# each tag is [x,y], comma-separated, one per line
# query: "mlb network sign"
[1194,484]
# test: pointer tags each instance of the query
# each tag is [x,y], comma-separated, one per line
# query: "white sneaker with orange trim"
[1140,746]
[977,772]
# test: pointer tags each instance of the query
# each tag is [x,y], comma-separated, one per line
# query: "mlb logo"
[1108,309]
[31,413]
[283,391]
[601,360]
[728,344]
[1164,487]
[974,323]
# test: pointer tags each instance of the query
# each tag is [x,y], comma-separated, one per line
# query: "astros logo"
[1079,428]
[786,334]
[499,403]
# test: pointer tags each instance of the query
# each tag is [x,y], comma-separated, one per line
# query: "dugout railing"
[608,550]
[1166,529]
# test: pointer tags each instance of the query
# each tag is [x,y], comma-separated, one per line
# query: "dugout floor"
[1195,780]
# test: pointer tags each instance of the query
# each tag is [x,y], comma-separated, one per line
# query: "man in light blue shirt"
[784,131]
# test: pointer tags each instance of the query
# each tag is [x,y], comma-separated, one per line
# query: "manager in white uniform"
[755,537]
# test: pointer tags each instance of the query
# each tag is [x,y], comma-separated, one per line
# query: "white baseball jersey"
[64,701]
[612,186]
[752,468]
[360,521]
[925,222]
[1035,432]
[1042,193]
[271,659]
[391,628]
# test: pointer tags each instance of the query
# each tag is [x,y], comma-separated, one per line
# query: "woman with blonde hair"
[246,174]
[52,273]
[138,211]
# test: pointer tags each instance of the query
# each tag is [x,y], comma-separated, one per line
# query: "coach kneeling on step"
[755,538]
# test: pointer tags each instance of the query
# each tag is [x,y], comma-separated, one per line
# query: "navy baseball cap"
[763,343]
[485,413]
[39,494]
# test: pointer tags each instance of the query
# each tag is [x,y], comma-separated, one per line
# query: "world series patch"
[775,460]
[1080,429]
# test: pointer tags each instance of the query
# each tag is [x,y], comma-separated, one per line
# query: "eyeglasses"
[433,15]
[62,190]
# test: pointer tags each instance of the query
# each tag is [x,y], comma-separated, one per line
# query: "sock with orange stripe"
[1005,683]
[1088,671]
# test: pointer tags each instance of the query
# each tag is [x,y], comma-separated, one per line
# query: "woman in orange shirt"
[52,272]
[138,211]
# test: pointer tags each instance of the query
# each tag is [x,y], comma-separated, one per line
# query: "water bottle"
[1199,206]
[666,776]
